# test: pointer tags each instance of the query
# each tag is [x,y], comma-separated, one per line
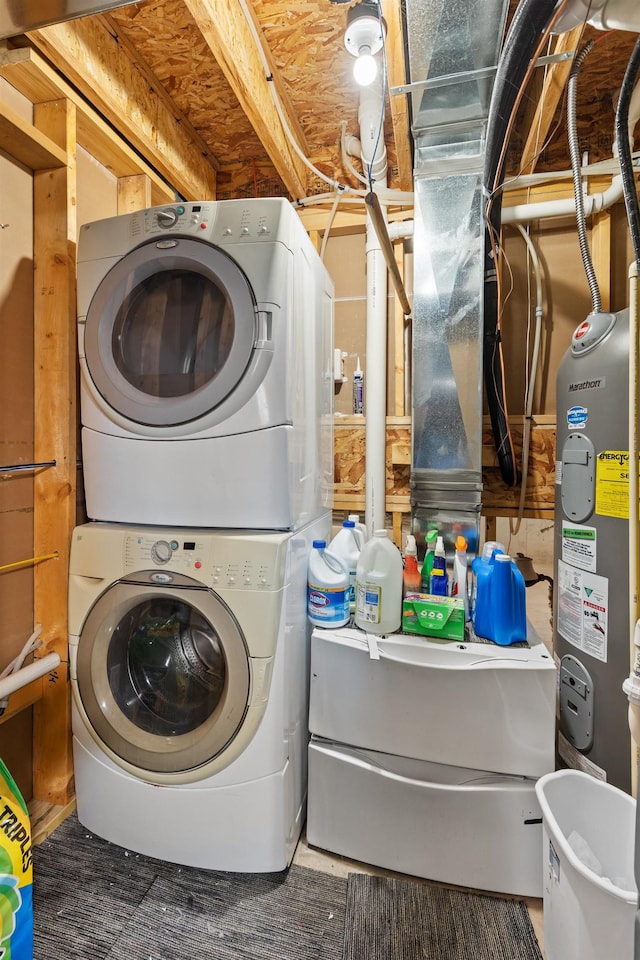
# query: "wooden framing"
[54,206]
[61,121]
[231,39]
[89,56]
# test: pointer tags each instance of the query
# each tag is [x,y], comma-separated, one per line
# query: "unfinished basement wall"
[566,297]
[97,198]
[16,432]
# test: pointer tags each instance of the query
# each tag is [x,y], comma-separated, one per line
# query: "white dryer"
[189,665]
[205,334]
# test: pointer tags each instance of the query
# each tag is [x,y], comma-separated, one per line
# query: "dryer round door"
[163,672]
[170,332]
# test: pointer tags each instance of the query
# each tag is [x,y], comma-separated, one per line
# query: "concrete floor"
[539,615]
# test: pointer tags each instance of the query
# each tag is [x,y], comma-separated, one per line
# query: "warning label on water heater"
[583,603]
[612,484]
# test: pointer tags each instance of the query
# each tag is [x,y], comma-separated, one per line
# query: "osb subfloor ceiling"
[202,57]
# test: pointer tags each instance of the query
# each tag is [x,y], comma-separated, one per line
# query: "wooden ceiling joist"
[397,76]
[232,41]
[91,58]
[551,91]
[36,80]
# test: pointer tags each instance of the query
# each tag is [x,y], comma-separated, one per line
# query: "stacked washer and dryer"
[205,343]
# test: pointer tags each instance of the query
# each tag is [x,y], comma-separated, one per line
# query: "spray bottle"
[427,564]
[411,578]
[358,389]
[439,576]
[460,587]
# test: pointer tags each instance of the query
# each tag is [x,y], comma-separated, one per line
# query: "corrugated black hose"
[528,29]
[624,150]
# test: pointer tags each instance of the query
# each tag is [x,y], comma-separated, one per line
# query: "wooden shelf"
[26,144]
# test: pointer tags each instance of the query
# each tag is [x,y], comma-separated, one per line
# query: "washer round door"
[170,332]
[163,672]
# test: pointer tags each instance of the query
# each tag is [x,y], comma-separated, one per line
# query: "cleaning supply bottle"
[358,389]
[427,563]
[360,527]
[439,581]
[411,577]
[327,588]
[346,547]
[482,568]
[460,586]
[379,585]
[509,621]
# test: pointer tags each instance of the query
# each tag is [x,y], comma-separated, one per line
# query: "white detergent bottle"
[379,585]
[360,527]
[346,546]
[327,588]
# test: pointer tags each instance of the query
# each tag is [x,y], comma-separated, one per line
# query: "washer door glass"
[170,331]
[163,674]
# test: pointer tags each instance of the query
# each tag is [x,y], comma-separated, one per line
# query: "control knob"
[167,218]
[161,551]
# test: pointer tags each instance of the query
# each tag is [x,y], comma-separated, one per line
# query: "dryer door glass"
[170,332]
[163,674]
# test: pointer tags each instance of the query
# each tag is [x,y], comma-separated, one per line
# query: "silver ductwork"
[20,16]
[454,47]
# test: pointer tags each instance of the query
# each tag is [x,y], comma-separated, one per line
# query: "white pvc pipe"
[593,203]
[400,229]
[23,676]
[374,161]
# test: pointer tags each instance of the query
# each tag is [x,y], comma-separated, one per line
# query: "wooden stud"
[552,89]
[601,254]
[55,439]
[398,340]
[134,193]
[397,74]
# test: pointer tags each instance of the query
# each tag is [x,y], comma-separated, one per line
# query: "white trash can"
[589,892]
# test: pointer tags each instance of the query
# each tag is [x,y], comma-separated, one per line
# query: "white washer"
[189,664]
[205,334]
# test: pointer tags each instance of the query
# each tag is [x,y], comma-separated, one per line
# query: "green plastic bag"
[16,878]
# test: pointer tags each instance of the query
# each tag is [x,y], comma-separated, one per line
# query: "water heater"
[591,549]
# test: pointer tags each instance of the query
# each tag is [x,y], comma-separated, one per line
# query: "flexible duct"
[574,152]
[532,22]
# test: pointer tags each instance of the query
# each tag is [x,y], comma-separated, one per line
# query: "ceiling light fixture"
[363,38]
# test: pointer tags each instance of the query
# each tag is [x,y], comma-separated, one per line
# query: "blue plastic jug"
[500,612]
[482,568]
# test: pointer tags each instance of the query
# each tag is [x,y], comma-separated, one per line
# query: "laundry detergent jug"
[379,585]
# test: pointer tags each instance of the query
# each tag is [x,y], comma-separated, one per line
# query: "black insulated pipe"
[529,27]
[624,150]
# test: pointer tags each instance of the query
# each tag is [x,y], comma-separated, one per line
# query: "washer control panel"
[190,219]
[222,561]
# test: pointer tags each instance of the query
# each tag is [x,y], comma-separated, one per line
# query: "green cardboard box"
[441,618]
